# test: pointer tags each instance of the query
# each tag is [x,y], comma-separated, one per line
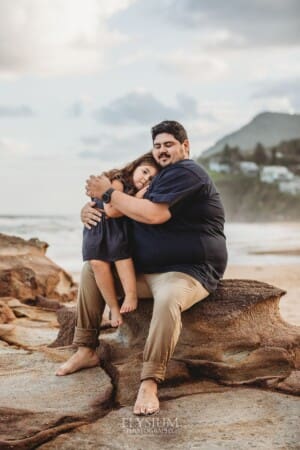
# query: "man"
[179,251]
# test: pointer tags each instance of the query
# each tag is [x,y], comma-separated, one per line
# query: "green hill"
[268,128]
[247,199]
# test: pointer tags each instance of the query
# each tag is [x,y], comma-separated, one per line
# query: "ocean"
[248,243]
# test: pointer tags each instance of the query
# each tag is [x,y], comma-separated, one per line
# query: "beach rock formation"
[25,271]
[236,336]
[35,405]
[234,419]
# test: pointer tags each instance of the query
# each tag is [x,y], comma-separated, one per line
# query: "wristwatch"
[106,197]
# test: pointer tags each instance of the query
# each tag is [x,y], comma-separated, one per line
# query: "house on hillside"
[271,174]
[290,187]
[216,166]
[249,168]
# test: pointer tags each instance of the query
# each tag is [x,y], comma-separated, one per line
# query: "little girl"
[109,240]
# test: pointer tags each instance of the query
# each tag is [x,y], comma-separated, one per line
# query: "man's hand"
[96,186]
[90,215]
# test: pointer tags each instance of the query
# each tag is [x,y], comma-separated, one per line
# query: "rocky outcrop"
[26,272]
[35,405]
[236,337]
[230,420]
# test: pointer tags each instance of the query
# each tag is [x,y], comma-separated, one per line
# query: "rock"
[6,313]
[234,419]
[66,320]
[11,301]
[27,333]
[26,272]
[235,336]
[38,314]
[30,326]
[46,303]
[291,384]
[36,405]
[14,245]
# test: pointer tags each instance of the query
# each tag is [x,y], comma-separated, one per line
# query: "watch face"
[107,195]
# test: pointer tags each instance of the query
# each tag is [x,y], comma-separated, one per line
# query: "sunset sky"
[83,81]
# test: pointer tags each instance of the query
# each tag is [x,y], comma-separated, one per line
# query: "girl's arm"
[110,211]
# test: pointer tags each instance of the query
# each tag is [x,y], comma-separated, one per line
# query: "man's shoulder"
[187,166]
[184,173]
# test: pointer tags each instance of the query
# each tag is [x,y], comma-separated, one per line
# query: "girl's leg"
[126,273]
[105,283]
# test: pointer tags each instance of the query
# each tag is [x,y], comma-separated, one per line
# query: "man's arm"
[139,209]
[89,215]
[108,207]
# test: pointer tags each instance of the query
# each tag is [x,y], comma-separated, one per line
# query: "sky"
[83,81]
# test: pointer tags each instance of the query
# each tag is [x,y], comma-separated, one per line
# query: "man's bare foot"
[84,358]
[116,318]
[129,304]
[147,402]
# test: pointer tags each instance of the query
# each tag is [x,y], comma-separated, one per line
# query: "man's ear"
[186,146]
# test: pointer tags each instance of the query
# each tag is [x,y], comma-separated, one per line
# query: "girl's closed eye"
[143,174]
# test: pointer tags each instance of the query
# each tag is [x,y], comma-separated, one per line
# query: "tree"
[259,155]
[230,155]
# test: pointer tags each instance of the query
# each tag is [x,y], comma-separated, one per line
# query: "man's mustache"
[163,155]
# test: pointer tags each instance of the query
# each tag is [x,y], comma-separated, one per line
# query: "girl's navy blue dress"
[109,240]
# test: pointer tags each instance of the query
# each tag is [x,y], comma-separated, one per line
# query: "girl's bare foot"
[84,358]
[147,402]
[129,304]
[116,318]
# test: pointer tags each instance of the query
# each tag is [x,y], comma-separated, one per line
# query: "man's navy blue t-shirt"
[192,240]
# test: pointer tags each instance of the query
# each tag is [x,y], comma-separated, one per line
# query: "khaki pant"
[172,292]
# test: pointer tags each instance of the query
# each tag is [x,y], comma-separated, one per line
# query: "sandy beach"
[286,277]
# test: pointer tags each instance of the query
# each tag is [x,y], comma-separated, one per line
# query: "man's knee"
[167,300]
[86,270]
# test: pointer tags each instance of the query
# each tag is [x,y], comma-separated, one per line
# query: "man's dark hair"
[170,127]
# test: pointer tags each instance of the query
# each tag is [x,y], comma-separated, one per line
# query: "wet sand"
[286,277]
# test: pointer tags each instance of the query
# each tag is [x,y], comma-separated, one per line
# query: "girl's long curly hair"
[125,174]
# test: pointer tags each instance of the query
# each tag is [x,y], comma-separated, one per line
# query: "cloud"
[75,110]
[90,140]
[16,111]
[56,37]
[255,23]
[194,66]
[143,108]
[288,90]
[11,147]
[111,147]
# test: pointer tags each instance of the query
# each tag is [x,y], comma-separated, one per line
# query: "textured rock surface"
[6,313]
[27,333]
[235,336]
[231,420]
[34,402]
[26,272]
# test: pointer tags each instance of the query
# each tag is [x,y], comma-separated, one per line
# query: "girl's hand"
[96,186]
[142,192]
[90,215]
